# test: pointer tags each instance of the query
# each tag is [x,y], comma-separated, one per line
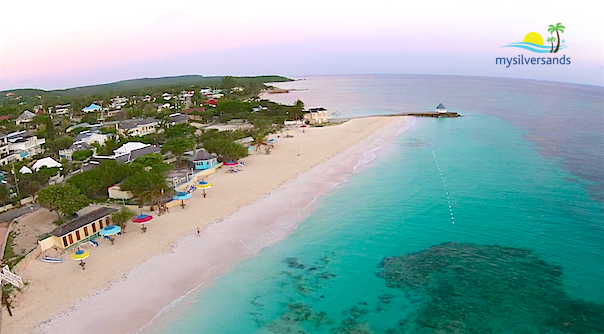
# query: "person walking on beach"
[198,232]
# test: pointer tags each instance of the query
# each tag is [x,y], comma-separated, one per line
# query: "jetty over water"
[432,114]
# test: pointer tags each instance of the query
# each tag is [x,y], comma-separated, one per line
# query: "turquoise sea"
[488,223]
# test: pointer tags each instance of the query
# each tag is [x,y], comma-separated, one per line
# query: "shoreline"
[130,283]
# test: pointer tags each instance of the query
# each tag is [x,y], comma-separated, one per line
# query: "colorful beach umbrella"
[203,185]
[272,141]
[142,219]
[180,196]
[231,163]
[80,255]
[110,230]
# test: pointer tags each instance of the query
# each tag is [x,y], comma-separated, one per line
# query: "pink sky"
[69,43]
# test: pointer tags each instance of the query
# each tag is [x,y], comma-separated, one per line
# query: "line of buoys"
[442,177]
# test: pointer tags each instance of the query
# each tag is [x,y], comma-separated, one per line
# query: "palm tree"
[551,40]
[558,28]
[259,139]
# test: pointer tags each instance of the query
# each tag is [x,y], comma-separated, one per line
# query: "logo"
[533,41]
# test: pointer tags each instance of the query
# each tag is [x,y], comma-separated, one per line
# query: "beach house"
[79,229]
[316,116]
[441,109]
[202,160]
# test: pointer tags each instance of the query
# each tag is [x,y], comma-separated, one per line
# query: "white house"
[441,109]
[91,137]
[25,117]
[139,127]
[23,145]
[61,109]
[316,116]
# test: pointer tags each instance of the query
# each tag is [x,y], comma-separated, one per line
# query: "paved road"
[12,214]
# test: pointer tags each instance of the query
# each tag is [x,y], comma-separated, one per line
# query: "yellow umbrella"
[80,254]
[204,185]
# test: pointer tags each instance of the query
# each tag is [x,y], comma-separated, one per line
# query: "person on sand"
[198,232]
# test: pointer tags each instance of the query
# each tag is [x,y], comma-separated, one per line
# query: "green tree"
[179,130]
[551,40]
[225,148]
[55,145]
[228,82]
[29,184]
[558,28]
[178,146]
[81,155]
[4,194]
[123,216]
[154,160]
[94,183]
[65,198]
[148,187]
[297,112]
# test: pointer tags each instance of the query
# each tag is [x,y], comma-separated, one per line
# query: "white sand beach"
[135,279]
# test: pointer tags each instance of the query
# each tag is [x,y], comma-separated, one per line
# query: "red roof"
[211,101]
[190,110]
[40,112]
[5,117]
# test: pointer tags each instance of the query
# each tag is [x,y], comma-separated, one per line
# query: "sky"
[62,44]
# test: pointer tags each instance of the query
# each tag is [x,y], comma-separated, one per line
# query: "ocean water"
[492,222]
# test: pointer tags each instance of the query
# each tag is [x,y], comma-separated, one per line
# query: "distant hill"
[137,85]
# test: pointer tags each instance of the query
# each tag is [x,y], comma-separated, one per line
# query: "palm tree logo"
[533,41]
[551,40]
[558,28]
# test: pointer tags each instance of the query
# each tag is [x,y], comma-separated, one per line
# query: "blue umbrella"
[272,141]
[181,196]
[110,230]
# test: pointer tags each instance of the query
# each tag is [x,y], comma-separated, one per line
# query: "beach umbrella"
[203,185]
[109,231]
[250,149]
[304,127]
[142,219]
[272,141]
[180,196]
[231,163]
[80,255]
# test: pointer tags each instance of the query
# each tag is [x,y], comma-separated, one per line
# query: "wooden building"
[78,229]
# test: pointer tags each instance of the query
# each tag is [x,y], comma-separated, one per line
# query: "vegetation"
[178,147]
[558,28]
[65,198]
[227,149]
[122,217]
[147,186]
[94,183]
[81,155]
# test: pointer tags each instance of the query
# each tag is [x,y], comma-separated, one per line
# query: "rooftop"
[81,221]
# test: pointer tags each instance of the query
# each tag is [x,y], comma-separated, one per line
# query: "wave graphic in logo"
[533,47]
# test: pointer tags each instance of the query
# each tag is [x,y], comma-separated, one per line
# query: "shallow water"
[477,181]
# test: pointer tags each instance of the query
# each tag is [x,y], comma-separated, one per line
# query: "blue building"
[202,160]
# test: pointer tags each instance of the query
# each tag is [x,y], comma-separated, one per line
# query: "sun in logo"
[533,38]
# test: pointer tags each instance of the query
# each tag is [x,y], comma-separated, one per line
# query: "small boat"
[93,243]
[51,259]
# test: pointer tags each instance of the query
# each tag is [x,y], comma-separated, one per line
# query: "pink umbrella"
[142,219]
[231,163]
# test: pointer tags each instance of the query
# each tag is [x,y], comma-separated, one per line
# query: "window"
[65,244]
[78,235]
[70,239]
[85,231]
[93,227]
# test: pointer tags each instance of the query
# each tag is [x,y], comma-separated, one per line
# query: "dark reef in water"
[448,288]
[483,289]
